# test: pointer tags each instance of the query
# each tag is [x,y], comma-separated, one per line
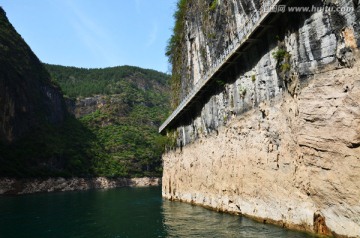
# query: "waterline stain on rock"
[320,225]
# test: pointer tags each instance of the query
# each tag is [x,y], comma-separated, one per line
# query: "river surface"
[122,212]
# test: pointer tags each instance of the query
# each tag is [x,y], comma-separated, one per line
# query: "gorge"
[67,122]
[265,125]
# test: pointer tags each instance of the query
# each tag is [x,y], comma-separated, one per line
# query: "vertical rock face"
[311,40]
[27,97]
[279,139]
[295,162]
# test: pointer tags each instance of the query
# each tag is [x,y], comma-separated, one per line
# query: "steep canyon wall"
[28,98]
[278,137]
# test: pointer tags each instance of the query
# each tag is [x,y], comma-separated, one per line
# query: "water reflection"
[124,212]
[184,220]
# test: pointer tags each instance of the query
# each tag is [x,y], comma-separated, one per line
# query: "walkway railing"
[242,36]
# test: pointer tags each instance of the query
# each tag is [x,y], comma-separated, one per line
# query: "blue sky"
[95,33]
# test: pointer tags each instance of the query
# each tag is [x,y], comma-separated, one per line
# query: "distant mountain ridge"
[132,84]
[123,106]
[89,82]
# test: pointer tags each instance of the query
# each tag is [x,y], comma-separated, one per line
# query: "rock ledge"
[24,186]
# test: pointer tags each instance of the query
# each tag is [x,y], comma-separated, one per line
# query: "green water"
[123,212]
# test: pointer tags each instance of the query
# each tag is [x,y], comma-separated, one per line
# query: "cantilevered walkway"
[257,22]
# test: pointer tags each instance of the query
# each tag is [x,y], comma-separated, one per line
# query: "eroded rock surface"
[293,161]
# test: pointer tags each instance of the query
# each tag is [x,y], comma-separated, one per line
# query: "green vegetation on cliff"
[117,137]
[81,82]
[112,134]
[129,104]
[174,51]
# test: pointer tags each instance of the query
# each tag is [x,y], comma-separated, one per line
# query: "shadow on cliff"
[38,137]
[46,151]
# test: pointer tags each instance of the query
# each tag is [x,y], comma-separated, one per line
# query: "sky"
[95,33]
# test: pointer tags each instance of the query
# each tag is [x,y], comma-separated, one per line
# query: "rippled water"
[123,212]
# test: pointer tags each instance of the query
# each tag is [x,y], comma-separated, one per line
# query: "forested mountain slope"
[123,107]
[114,130]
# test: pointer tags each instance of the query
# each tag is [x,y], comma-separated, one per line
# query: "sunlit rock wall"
[313,40]
[279,141]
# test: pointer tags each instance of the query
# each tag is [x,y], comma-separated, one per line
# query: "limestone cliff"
[28,99]
[278,137]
